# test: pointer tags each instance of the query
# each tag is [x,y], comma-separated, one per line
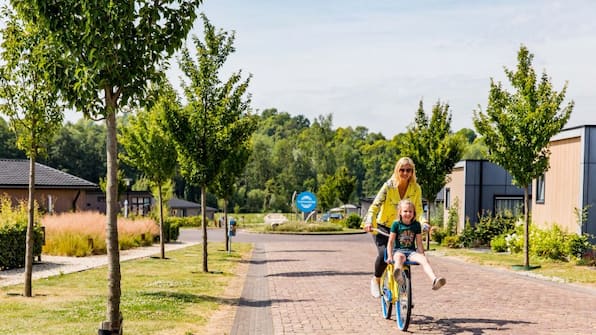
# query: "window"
[540,190]
[509,206]
[140,205]
[447,198]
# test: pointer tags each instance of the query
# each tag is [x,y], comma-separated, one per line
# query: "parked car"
[326,217]
[275,219]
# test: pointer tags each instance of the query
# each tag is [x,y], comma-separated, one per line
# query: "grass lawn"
[171,296]
[562,271]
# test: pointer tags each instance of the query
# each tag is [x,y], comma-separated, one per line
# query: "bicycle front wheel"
[403,305]
[386,293]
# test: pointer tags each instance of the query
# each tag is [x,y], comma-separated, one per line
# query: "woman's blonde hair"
[401,162]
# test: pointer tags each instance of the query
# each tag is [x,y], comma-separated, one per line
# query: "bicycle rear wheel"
[386,294]
[403,305]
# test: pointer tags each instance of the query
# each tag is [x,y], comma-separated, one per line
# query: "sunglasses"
[405,170]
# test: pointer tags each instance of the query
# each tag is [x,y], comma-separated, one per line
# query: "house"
[179,207]
[565,192]
[132,202]
[55,191]
[569,185]
[478,187]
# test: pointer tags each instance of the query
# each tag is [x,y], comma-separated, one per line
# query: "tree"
[79,149]
[379,159]
[232,167]
[327,192]
[213,123]
[111,51]
[345,184]
[148,148]
[8,146]
[517,127]
[30,100]
[434,149]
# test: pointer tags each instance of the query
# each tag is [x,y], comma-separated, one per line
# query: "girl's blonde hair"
[401,162]
[406,202]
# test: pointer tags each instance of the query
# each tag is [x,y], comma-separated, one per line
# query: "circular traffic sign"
[306,202]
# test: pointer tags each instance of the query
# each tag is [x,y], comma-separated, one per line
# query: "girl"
[405,240]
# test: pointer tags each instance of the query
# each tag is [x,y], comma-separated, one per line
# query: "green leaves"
[214,125]
[517,126]
[28,92]
[147,147]
[434,149]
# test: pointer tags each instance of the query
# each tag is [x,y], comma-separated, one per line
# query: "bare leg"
[422,260]
[399,260]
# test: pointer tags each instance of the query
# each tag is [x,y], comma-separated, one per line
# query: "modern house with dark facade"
[480,187]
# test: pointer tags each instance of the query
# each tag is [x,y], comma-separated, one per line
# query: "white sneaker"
[374,288]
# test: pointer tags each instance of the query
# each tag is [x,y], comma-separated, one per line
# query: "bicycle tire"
[386,295]
[403,305]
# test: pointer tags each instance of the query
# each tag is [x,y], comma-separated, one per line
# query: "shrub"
[437,234]
[305,227]
[498,244]
[353,221]
[452,218]
[588,258]
[188,221]
[486,229]
[548,243]
[13,233]
[171,228]
[578,245]
[452,242]
[515,243]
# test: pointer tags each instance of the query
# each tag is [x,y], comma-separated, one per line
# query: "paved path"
[320,285]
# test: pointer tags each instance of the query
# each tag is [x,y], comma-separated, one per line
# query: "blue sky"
[369,63]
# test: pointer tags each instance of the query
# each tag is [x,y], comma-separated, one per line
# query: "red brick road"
[320,285]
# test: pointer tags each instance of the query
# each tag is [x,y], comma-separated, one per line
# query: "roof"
[180,203]
[14,173]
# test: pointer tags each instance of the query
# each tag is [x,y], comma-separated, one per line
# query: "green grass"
[171,296]
[558,270]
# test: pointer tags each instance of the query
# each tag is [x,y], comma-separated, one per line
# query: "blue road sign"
[306,202]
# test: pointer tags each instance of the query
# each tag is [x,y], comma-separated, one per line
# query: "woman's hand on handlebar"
[368,227]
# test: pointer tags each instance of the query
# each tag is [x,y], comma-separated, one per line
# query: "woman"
[383,211]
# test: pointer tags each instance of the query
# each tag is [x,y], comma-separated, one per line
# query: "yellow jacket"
[384,208]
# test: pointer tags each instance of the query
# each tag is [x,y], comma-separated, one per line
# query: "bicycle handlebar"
[379,231]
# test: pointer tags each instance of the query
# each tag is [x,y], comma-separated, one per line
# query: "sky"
[370,63]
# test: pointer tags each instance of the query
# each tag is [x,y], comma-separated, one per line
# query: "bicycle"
[398,295]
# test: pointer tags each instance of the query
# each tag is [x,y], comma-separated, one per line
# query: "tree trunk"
[227,228]
[29,240]
[204,225]
[161,234]
[114,275]
[526,228]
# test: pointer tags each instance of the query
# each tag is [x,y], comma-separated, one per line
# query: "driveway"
[298,284]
